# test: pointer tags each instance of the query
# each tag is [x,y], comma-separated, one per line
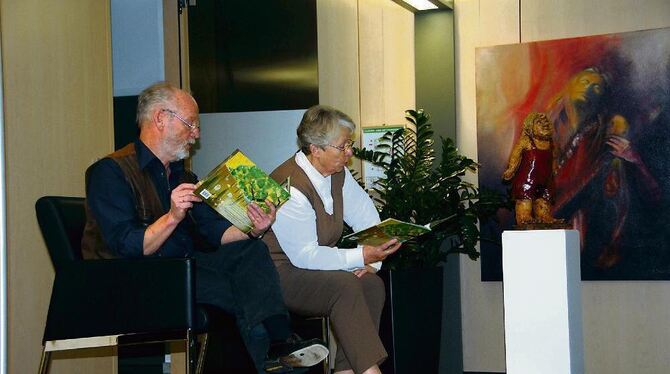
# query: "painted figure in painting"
[597,167]
[530,170]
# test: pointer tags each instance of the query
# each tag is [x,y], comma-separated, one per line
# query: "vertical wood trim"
[3,232]
[183,50]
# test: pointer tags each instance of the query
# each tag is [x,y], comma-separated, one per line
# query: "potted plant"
[419,188]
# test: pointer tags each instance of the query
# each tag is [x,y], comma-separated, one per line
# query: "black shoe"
[277,367]
[296,352]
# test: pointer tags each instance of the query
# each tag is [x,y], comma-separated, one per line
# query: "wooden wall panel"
[58,119]
[171,41]
[386,62]
[479,23]
[542,20]
[371,21]
[366,60]
[399,73]
[337,29]
[625,329]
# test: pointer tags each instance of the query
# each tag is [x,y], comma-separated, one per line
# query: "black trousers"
[241,279]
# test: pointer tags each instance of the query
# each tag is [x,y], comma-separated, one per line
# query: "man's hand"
[261,220]
[181,200]
[379,253]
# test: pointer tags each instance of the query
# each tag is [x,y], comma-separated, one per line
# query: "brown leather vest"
[328,227]
[147,203]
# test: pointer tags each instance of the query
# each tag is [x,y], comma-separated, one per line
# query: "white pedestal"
[542,297]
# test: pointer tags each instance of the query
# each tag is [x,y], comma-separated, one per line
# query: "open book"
[391,228]
[234,183]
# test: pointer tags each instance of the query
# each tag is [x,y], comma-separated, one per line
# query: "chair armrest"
[121,296]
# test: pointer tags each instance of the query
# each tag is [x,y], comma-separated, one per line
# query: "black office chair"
[114,302]
[100,303]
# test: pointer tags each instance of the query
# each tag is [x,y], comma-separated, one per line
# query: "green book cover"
[386,230]
[234,183]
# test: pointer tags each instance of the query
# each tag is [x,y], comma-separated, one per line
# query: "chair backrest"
[62,220]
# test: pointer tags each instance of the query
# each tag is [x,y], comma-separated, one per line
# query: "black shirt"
[113,205]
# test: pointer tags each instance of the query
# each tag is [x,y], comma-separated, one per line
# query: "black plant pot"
[411,322]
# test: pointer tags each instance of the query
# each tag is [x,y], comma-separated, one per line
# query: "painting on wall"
[608,99]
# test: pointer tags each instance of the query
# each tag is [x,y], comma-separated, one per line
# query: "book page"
[386,230]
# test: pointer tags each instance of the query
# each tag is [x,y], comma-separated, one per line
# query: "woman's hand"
[379,253]
[367,269]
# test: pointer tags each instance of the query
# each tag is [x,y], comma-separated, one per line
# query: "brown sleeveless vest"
[328,227]
[147,203]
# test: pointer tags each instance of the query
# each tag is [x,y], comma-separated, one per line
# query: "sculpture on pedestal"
[530,169]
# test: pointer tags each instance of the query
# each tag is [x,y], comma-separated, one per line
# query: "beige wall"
[58,118]
[366,60]
[625,324]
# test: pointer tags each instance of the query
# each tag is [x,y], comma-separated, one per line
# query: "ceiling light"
[421,4]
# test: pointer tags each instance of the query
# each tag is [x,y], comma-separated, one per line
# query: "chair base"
[193,365]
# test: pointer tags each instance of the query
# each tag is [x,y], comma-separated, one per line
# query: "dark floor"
[222,357]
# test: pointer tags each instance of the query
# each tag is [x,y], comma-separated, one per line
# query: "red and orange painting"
[608,98]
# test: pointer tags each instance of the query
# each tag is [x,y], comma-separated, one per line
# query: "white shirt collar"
[321,184]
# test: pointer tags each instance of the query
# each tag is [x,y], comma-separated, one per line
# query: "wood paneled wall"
[58,119]
[625,323]
[366,60]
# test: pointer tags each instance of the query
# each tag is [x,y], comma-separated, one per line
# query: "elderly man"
[140,202]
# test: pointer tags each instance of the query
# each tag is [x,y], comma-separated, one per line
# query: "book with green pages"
[391,228]
[236,182]
[386,230]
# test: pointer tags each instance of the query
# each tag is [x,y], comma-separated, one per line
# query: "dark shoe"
[296,352]
[277,367]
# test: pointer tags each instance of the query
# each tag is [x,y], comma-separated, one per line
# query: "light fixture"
[421,4]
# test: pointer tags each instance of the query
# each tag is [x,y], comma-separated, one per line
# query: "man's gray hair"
[160,93]
[320,125]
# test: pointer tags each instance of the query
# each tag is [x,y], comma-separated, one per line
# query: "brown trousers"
[353,304]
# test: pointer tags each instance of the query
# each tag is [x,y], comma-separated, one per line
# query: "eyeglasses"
[191,126]
[345,147]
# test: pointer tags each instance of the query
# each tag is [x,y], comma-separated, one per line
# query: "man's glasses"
[342,148]
[191,126]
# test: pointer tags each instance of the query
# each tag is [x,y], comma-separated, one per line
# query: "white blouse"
[295,226]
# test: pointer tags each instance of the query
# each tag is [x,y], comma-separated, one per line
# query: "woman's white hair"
[320,125]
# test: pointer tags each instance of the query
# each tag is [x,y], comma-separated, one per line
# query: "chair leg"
[325,333]
[203,339]
[190,353]
[45,361]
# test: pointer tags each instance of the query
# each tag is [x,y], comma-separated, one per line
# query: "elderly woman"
[318,278]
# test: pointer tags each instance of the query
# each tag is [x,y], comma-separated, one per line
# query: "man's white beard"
[182,149]
[181,153]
